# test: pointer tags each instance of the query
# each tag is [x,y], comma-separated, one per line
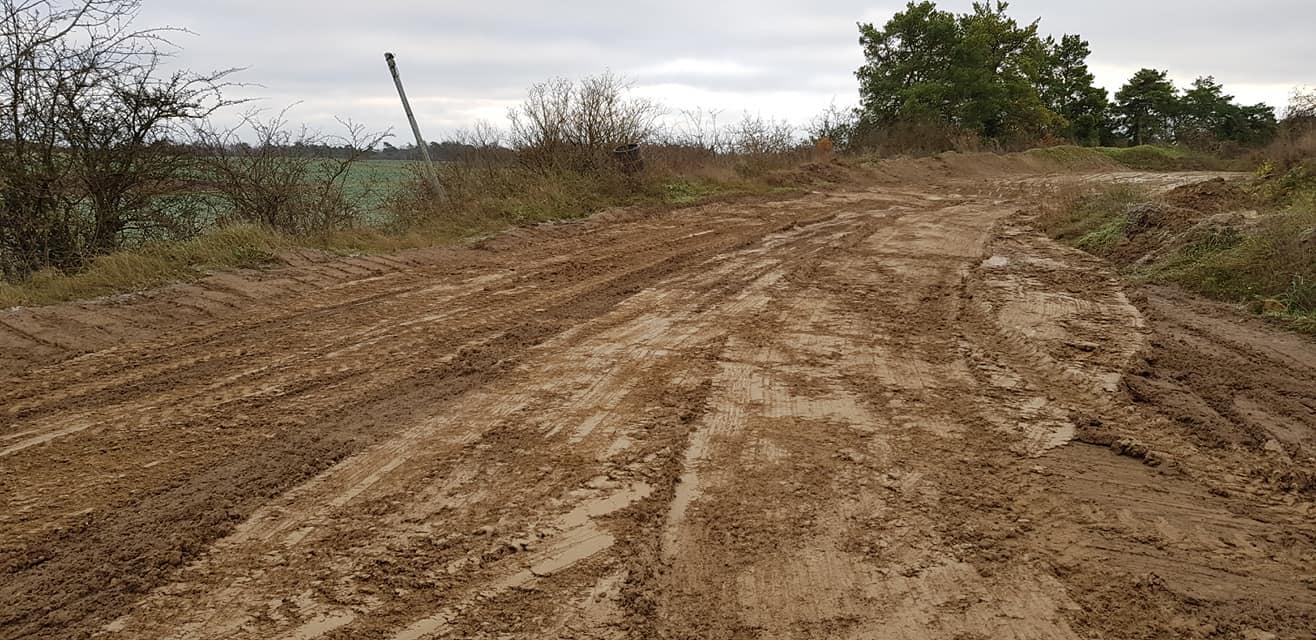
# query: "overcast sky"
[472,59]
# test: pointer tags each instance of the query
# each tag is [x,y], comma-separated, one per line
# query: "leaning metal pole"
[415,128]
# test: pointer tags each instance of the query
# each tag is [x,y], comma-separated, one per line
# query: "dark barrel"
[628,156]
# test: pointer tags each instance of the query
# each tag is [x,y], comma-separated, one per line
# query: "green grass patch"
[1273,264]
[1295,187]
[1071,156]
[1105,235]
[683,191]
[1157,158]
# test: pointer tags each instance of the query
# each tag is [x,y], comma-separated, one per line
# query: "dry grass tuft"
[1092,219]
[1272,265]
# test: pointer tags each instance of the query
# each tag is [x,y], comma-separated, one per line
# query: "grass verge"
[149,266]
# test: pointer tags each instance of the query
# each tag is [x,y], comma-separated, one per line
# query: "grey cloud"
[329,53]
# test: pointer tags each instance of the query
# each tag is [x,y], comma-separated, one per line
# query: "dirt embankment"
[856,410]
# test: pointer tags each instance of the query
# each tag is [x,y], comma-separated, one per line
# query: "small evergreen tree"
[1208,117]
[908,73]
[977,73]
[1068,89]
[1147,106]
[1205,113]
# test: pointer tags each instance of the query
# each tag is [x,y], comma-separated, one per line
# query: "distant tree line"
[932,77]
[445,151]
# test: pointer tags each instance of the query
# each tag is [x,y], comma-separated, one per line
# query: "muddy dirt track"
[884,411]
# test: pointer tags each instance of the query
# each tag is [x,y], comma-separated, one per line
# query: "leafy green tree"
[1147,106]
[1068,89]
[1208,116]
[907,73]
[977,72]
[933,74]
[998,70]
[1205,113]
[1253,125]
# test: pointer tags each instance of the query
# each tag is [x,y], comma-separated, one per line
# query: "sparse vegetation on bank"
[1160,158]
[488,194]
[84,214]
[1252,243]
[113,176]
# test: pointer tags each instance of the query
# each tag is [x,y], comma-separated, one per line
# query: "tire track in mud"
[132,318]
[170,379]
[325,318]
[819,488]
[222,495]
[711,286]
[1151,536]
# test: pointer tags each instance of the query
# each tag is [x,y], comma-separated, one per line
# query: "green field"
[372,182]
[369,183]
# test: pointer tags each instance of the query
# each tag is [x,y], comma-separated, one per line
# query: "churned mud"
[894,411]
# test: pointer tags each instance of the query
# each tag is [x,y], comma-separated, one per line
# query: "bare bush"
[570,125]
[1295,142]
[481,149]
[756,136]
[86,162]
[834,124]
[1301,109]
[278,180]
[699,129]
[483,135]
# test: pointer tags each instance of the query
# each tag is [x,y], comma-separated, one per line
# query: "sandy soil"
[888,412]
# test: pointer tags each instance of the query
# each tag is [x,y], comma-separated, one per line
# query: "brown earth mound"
[1202,212]
[1211,196]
